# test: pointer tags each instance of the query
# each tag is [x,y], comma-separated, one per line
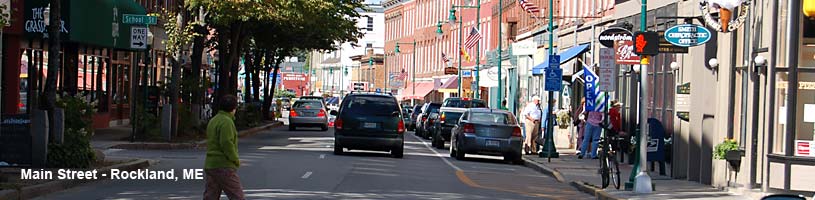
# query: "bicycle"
[609,166]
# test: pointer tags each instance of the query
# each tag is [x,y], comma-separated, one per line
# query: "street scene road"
[281,164]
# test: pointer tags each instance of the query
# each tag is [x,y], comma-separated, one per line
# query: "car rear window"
[368,105]
[308,104]
[452,116]
[457,103]
[492,118]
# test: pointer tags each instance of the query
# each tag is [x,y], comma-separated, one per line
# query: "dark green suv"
[369,121]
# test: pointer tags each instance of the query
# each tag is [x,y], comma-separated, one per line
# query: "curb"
[30,192]
[583,187]
[597,192]
[189,145]
[544,169]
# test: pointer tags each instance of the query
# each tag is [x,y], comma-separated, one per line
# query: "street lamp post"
[412,100]
[452,19]
[642,181]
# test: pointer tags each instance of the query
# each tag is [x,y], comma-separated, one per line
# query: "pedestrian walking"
[222,160]
[591,135]
[579,122]
[532,116]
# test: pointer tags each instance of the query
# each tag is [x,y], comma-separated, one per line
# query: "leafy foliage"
[4,17]
[177,36]
[248,115]
[721,149]
[284,93]
[75,151]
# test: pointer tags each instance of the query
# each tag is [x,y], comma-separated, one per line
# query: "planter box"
[734,159]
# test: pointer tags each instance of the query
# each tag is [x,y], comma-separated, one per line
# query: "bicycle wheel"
[614,172]
[604,169]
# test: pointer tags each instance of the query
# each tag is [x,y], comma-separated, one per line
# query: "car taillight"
[516,132]
[430,121]
[424,118]
[338,124]
[292,113]
[469,128]
[321,113]
[401,127]
[442,118]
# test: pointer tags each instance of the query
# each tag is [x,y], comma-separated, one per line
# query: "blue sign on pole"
[687,35]
[466,73]
[553,73]
[378,90]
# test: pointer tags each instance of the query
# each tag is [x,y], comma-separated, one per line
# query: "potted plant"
[729,151]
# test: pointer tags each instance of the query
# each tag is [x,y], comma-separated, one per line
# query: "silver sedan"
[308,113]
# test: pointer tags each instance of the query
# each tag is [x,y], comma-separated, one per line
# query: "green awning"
[89,22]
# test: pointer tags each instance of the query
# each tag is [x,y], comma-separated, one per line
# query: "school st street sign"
[687,35]
[138,19]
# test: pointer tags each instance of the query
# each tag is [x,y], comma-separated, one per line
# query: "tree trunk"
[267,99]
[197,57]
[256,73]
[53,63]
[176,79]
[247,76]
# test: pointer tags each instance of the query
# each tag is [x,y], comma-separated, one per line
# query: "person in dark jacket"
[222,162]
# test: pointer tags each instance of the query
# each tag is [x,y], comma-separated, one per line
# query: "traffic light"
[646,43]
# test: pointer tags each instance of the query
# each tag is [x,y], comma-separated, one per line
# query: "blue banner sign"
[687,35]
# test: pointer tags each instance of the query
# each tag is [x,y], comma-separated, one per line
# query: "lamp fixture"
[760,60]
[451,19]
[674,66]
[636,68]
[713,63]
[439,32]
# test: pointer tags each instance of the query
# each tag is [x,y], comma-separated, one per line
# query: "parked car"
[449,114]
[308,113]
[406,112]
[369,121]
[428,108]
[321,99]
[487,132]
[413,117]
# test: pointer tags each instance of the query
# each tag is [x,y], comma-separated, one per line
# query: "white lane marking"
[305,176]
[437,154]
[322,156]
[492,168]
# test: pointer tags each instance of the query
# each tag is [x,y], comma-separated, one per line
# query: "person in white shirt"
[532,116]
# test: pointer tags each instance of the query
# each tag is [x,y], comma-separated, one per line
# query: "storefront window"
[805,114]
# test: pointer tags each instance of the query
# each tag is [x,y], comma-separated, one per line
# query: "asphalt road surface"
[279,164]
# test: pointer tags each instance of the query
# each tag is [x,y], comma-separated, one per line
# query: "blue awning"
[565,56]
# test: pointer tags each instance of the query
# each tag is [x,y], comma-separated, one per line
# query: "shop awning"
[422,89]
[565,56]
[451,86]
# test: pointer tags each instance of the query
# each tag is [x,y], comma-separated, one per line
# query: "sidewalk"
[583,174]
[119,137]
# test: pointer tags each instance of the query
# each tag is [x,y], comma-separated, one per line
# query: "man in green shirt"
[222,159]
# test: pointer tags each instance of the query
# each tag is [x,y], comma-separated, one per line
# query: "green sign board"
[138,19]
[683,89]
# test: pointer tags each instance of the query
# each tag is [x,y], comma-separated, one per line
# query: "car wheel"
[398,152]
[459,155]
[452,150]
[324,128]
[437,142]
[514,159]
[292,127]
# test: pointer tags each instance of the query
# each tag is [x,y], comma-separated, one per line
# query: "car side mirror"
[333,112]
[395,114]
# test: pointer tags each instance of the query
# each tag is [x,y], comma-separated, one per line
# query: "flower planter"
[734,159]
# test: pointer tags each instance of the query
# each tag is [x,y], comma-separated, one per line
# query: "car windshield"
[368,105]
[458,103]
[492,118]
[308,104]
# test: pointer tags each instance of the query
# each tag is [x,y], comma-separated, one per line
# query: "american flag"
[444,58]
[473,38]
[529,6]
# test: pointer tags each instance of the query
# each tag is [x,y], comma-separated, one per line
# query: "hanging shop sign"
[682,104]
[725,22]
[609,36]
[524,48]
[646,43]
[624,53]
[687,35]
[450,71]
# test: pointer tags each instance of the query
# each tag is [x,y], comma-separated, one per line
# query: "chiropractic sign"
[687,35]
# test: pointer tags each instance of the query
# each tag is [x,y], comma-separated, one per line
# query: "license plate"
[492,143]
[369,125]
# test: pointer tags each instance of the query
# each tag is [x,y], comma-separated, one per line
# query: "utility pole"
[500,56]
[642,181]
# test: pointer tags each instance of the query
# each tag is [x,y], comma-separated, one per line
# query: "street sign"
[138,19]
[687,35]
[466,73]
[554,61]
[378,90]
[554,82]
[138,37]
[609,36]
[607,72]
